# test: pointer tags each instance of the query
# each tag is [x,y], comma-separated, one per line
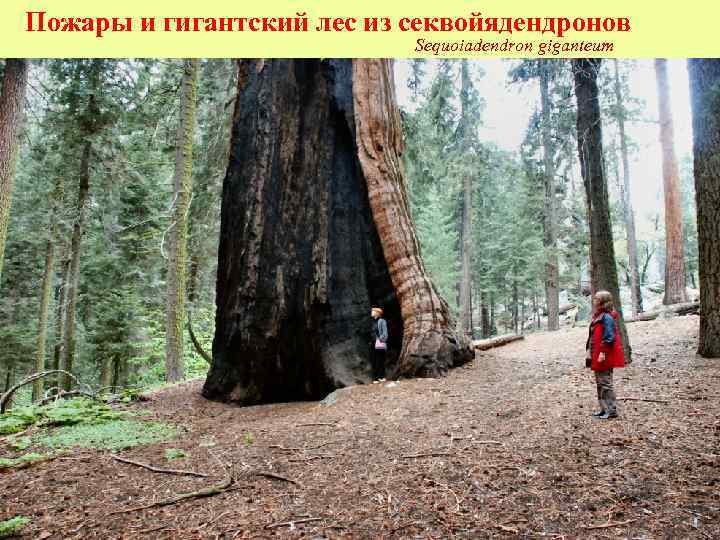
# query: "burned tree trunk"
[705,99]
[603,270]
[311,239]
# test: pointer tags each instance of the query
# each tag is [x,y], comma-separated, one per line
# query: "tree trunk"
[549,219]
[603,270]
[705,99]
[430,345]
[9,382]
[313,235]
[177,260]
[485,322]
[674,251]
[12,100]
[73,280]
[45,297]
[628,212]
[60,310]
[465,300]
[515,307]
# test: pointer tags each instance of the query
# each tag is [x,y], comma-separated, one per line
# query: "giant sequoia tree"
[603,270]
[705,98]
[315,229]
[675,253]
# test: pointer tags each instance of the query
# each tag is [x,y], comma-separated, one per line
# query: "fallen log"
[685,308]
[499,341]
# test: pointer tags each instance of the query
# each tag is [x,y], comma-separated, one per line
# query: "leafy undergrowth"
[111,435]
[11,527]
[80,422]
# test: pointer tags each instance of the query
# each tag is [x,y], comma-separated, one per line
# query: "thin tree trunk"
[60,309]
[628,212]
[9,381]
[549,221]
[12,100]
[492,313]
[465,303]
[177,272]
[73,280]
[674,251]
[485,323]
[603,269]
[45,296]
[705,99]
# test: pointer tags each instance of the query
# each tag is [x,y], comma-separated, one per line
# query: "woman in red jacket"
[605,351]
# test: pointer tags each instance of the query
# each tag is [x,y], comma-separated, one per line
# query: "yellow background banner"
[687,29]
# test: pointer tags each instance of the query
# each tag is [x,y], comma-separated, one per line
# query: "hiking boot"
[607,416]
[598,414]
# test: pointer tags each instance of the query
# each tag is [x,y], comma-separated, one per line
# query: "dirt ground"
[504,447]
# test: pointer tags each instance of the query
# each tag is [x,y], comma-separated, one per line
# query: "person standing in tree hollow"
[379,346]
[604,350]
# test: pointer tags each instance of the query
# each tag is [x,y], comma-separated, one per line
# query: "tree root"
[158,470]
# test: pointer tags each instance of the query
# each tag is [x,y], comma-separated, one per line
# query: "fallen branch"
[205,492]
[499,341]
[686,308]
[276,477]
[610,524]
[506,528]
[317,424]
[486,442]
[293,522]
[642,399]
[5,398]
[225,485]
[429,454]
[158,470]
[310,458]
[281,447]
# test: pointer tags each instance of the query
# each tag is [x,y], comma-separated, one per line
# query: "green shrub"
[11,527]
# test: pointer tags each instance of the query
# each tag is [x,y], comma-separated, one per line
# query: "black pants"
[378,362]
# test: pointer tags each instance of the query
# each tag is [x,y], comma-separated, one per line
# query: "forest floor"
[504,447]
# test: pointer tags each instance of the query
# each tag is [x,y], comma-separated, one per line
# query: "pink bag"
[380,344]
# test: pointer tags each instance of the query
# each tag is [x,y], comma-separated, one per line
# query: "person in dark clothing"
[379,345]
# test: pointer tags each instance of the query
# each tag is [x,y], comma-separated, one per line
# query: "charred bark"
[301,260]
[603,269]
[705,99]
